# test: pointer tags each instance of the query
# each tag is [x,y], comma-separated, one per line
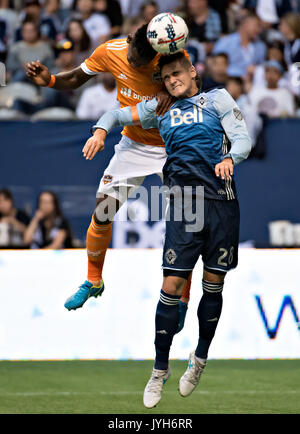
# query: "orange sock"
[185,296]
[97,241]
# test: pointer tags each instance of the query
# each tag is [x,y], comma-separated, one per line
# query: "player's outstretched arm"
[142,114]
[40,75]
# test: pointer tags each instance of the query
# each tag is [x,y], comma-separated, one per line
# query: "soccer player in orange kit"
[133,63]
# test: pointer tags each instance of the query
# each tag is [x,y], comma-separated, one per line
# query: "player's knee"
[216,277]
[173,285]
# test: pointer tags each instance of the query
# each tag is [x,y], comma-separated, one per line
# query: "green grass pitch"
[112,387]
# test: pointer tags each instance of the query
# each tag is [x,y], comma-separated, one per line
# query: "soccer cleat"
[191,377]
[153,389]
[182,307]
[85,291]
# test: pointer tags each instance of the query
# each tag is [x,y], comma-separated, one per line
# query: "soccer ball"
[167,33]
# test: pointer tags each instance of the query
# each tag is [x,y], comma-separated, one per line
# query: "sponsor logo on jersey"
[131,94]
[221,191]
[189,117]
[170,256]
[122,76]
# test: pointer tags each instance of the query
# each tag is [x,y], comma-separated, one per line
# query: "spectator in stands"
[97,25]
[48,228]
[148,10]
[112,9]
[272,100]
[77,34]
[65,60]
[30,48]
[13,222]
[33,12]
[204,23]
[243,47]
[131,24]
[290,28]
[217,75]
[3,40]
[9,22]
[98,99]
[131,8]
[274,9]
[275,51]
[53,17]
[254,122]
[222,7]
[197,54]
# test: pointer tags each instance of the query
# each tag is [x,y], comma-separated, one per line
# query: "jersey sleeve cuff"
[87,70]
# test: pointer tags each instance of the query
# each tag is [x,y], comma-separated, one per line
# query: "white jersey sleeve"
[146,112]
[233,124]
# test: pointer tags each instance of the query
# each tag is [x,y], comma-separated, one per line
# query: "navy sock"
[209,311]
[166,325]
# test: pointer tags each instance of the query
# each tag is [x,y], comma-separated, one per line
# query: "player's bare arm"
[224,169]
[41,76]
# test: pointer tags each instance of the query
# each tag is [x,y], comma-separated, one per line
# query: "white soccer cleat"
[153,389]
[191,377]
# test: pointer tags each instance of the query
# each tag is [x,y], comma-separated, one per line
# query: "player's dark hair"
[224,55]
[7,194]
[31,20]
[167,59]
[181,57]
[85,41]
[278,45]
[237,80]
[249,13]
[56,203]
[142,45]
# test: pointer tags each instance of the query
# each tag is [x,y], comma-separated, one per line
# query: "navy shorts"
[217,242]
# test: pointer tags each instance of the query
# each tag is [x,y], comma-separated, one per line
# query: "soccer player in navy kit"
[205,136]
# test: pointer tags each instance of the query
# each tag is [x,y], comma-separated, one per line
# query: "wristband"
[52,81]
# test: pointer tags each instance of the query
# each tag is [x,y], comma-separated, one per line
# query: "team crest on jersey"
[238,114]
[107,179]
[170,256]
[202,101]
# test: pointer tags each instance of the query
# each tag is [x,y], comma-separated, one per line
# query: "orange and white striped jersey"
[133,85]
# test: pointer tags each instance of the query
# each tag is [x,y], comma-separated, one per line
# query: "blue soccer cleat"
[182,307]
[85,291]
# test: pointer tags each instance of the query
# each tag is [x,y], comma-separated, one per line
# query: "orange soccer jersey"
[134,85]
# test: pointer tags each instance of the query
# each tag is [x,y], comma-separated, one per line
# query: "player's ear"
[193,71]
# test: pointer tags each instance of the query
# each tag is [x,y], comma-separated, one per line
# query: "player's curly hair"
[142,44]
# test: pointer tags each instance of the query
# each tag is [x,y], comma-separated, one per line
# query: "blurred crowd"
[47,228]
[250,47]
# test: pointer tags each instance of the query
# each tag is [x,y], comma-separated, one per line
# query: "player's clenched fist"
[224,169]
[38,73]
[94,144]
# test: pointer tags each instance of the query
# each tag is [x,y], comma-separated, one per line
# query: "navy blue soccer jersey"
[199,132]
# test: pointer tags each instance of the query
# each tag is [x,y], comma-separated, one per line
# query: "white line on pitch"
[199,392]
